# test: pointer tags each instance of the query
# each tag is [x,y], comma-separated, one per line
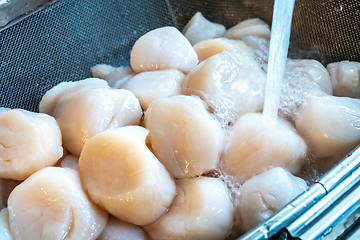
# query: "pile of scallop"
[173,146]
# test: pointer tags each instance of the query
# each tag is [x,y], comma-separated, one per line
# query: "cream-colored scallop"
[210,47]
[51,204]
[315,71]
[199,29]
[163,48]
[330,125]
[51,98]
[260,47]
[345,78]
[6,186]
[85,112]
[149,86]
[119,76]
[101,70]
[70,161]
[5,232]
[119,230]
[202,209]
[122,175]
[265,194]
[28,142]
[184,136]
[252,27]
[229,75]
[255,147]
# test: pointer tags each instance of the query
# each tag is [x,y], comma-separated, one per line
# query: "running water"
[279,44]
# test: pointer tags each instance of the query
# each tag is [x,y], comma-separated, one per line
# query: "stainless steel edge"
[311,217]
[13,11]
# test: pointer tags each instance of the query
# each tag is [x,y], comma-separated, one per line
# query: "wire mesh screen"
[62,42]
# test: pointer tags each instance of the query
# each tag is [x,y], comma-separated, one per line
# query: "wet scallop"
[184,136]
[163,48]
[249,27]
[122,175]
[51,204]
[28,142]
[202,209]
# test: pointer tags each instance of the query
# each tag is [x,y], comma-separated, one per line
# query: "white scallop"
[330,125]
[184,136]
[122,175]
[256,146]
[101,70]
[202,209]
[51,204]
[199,29]
[252,27]
[5,232]
[162,48]
[265,194]
[149,86]
[28,142]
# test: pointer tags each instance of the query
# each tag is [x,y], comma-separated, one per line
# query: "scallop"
[119,76]
[256,146]
[70,161]
[315,71]
[5,233]
[87,111]
[123,176]
[210,47]
[51,204]
[184,136]
[265,194]
[161,49]
[149,86]
[345,78]
[101,70]
[330,125]
[199,29]
[230,75]
[51,98]
[202,209]
[28,142]
[252,27]
[116,229]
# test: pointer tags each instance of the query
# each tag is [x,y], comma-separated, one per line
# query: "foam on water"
[279,44]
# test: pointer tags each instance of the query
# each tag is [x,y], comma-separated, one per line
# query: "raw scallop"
[51,204]
[229,75]
[184,136]
[149,86]
[265,194]
[5,233]
[256,147]
[87,111]
[345,78]
[119,230]
[202,209]
[330,125]
[162,48]
[28,142]
[123,176]
[252,27]
[199,29]
[210,47]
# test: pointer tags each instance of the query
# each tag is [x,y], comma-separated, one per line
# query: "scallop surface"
[28,142]
[249,27]
[184,136]
[51,204]
[199,29]
[87,111]
[163,48]
[123,176]
[329,124]
[202,209]
[265,194]
[116,229]
[5,232]
[255,147]
[149,86]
